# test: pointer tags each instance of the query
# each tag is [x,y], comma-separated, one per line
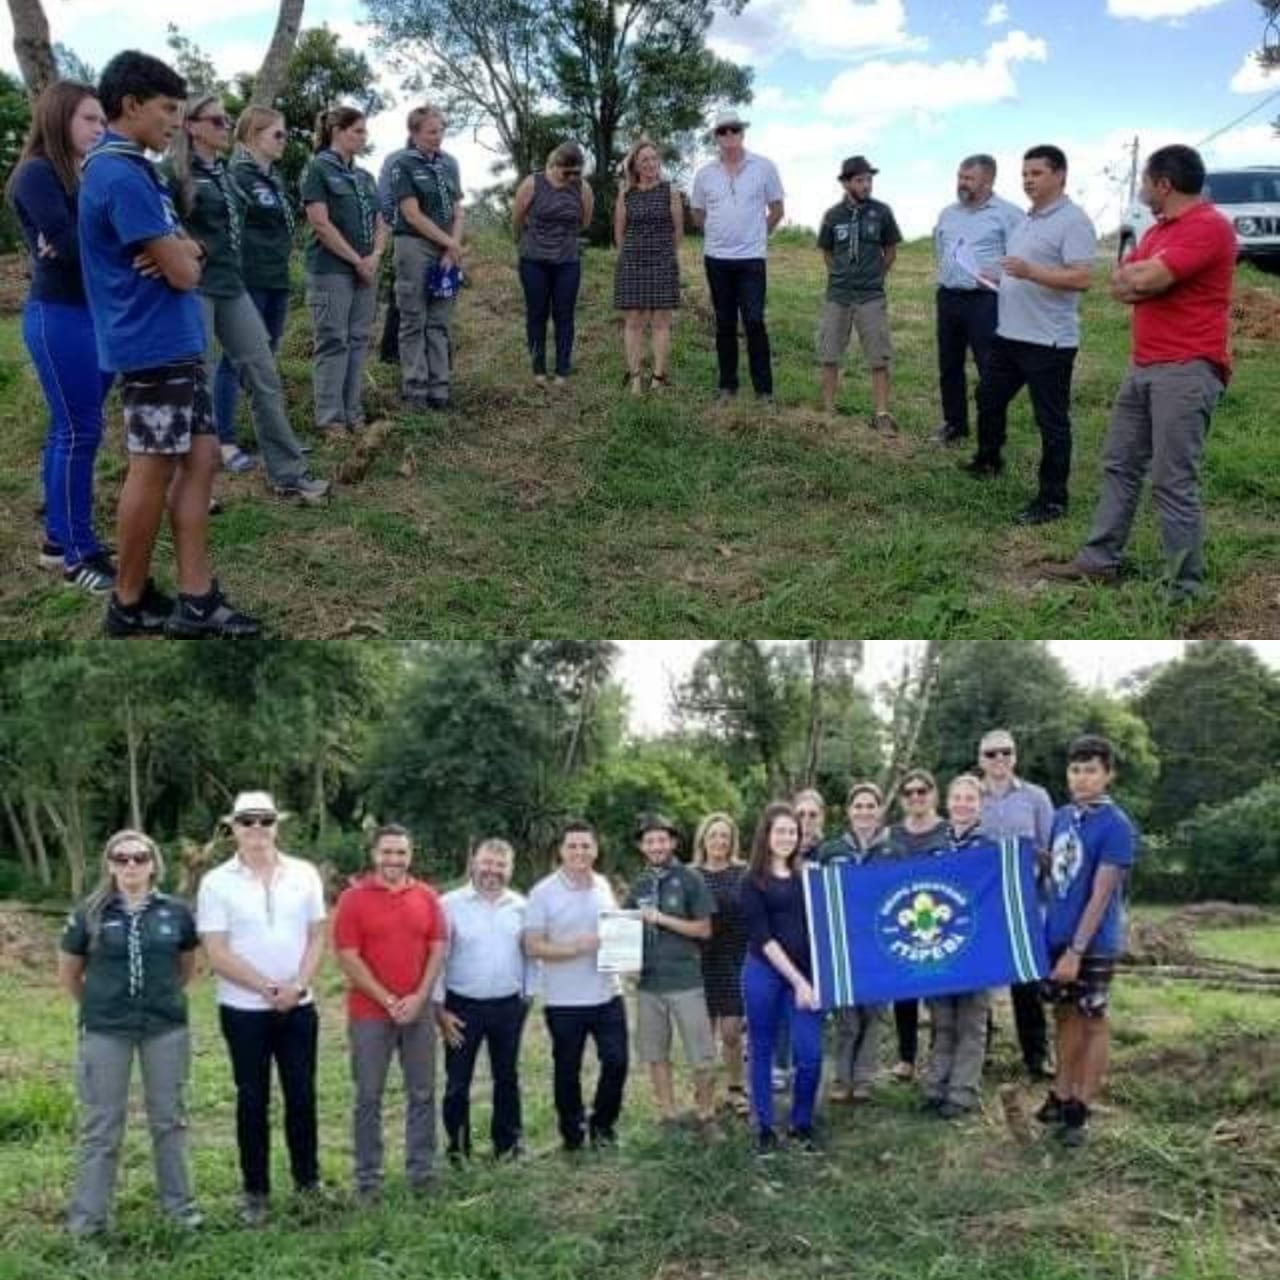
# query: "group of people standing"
[726,958]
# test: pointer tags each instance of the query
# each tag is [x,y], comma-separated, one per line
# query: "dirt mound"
[1220,915]
[1216,1074]
[27,938]
[1160,942]
[1255,313]
[14,282]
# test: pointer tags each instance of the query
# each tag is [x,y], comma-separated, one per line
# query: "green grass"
[1178,1181]
[533,513]
[1258,945]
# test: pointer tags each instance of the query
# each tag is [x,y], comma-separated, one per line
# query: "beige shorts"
[871,319]
[655,1012]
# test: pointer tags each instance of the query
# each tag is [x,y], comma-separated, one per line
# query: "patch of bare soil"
[15,278]
[1221,915]
[1160,942]
[1214,1075]
[1255,313]
[1249,611]
[27,938]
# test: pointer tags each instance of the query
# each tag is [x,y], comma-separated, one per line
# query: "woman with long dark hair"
[66,123]
[127,954]
[777,976]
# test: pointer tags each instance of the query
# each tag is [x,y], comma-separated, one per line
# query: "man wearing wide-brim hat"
[737,201]
[677,908]
[261,917]
[859,239]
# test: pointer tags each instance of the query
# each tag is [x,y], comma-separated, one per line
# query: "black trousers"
[1029,1017]
[966,322]
[1046,373]
[498,1025]
[570,1025]
[256,1038]
[906,1021]
[738,287]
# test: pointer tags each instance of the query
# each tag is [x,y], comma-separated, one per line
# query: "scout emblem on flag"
[940,924]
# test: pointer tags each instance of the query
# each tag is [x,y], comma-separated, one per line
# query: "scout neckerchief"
[440,197]
[218,175]
[268,175]
[133,923]
[349,173]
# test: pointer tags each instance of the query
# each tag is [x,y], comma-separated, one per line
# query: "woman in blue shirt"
[777,975]
[66,123]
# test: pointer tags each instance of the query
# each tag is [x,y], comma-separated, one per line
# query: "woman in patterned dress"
[717,856]
[648,225]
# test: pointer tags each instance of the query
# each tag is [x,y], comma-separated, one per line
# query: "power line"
[1238,120]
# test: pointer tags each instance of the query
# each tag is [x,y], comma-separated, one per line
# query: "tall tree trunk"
[270,82]
[131,750]
[915,692]
[20,841]
[31,811]
[69,824]
[317,792]
[818,650]
[32,45]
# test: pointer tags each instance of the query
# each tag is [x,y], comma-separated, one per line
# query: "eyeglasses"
[995,752]
[218,122]
[140,859]
[728,128]
[278,134]
[570,173]
[255,820]
[914,793]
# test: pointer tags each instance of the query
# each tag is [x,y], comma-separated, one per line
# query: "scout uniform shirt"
[351,196]
[436,182]
[857,235]
[216,220]
[672,962]
[1084,838]
[268,224]
[132,977]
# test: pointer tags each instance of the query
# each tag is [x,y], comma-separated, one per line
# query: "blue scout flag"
[935,925]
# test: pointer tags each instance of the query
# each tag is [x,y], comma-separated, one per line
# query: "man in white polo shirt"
[736,202]
[261,918]
[1047,269]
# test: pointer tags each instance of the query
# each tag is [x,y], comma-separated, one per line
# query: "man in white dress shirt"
[484,998]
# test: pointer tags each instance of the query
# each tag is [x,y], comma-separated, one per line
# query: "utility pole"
[1133,173]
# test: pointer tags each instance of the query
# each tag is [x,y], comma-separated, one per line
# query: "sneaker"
[189,1219]
[982,468]
[1050,1110]
[51,555]
[903,1071]
[253,1212]
[946,435]
[1074,571]
[726,395]
[804,1138]
[604,1139]
[195,617]
[306,489]
[96,575]
[765,398]
[930,1106]
[766,1144]
[839,1093]
[437,405]
[1038,512]
[238,462]
[147,617]
[953,1111]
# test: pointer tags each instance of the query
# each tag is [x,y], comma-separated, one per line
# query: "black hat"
[656,822]
[854,166]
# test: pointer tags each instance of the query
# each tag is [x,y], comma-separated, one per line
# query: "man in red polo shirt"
[1178,282]
[390,934]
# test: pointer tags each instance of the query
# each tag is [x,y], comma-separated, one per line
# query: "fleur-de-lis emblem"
[924,917]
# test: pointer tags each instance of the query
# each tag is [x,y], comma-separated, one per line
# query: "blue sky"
[914,85]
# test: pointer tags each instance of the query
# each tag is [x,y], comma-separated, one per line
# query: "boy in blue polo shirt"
[1091,849]
[140,271]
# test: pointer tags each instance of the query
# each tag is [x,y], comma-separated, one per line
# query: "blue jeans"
[59,336]
[550,289]
[768,997]
[273,307]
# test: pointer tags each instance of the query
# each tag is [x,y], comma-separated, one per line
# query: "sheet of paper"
[621,942]
[968,263]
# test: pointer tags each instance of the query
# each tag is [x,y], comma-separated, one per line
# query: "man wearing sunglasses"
[1013,808]
[261,917]
[737,201]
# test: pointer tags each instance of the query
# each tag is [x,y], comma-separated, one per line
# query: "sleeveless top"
[553,223]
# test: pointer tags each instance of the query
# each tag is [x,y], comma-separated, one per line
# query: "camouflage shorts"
[164,407]
[1090,993]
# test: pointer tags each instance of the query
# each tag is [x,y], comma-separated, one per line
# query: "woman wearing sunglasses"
[551,211]
[127,954]
[260,141]
[922,830]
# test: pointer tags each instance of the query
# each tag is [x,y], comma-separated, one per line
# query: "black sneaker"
[803,1138]
[1038,512]
[145,618]
[953,1111]
[982,468]
[195,617]
[1075,1123]
[96,575]
[604,1139]
[1050,1110]
[766,1144]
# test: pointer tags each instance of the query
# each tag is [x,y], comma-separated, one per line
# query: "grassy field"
[582,513]
[1178,1182]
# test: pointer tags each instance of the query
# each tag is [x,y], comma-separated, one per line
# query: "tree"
[274,72]
[32,46]
[71,66]
[15,120]
[194,64]
[1214,719]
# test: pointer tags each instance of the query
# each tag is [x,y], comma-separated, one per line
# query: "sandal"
[658,382]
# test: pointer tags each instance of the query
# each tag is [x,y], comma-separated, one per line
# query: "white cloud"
[997,15]
[1253,77]
[1158,10]
[887,90]
[1254,144]
[153,13]
[813,29]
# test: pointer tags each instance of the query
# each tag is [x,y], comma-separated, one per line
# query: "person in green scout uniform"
[348,236]
[426,187]
[859,240]
[677,908]
[265,246]
[212,208]
[127,954]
